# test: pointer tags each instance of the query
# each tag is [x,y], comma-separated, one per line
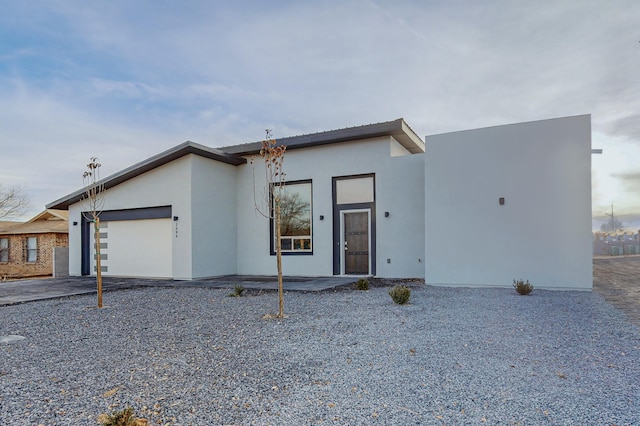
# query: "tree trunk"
[96,227]
[279,259]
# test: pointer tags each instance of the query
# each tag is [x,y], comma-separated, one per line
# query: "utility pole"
[613,223]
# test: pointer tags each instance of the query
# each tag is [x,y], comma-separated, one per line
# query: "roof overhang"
[150,164]
[398,129]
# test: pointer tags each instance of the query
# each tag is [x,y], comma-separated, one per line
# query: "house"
[30,249]
[618,243]
[371,200]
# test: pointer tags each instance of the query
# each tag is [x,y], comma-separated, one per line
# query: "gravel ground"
[196,357]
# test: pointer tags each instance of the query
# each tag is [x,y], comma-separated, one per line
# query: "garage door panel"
[138,248]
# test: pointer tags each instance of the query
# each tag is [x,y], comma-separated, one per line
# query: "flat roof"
[398,129]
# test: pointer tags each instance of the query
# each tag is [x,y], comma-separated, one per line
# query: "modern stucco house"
[477,207]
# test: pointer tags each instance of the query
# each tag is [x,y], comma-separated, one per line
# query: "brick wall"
[18,267]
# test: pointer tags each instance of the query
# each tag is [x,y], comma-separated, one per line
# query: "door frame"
[342,238]
[338,243]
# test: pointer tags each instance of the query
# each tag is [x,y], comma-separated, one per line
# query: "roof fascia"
[150,164]
[398,129]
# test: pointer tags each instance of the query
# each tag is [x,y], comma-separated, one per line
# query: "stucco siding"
[214,218]
[399,190]
[169,184]
[542,232]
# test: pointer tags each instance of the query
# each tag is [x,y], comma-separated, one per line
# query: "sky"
[125,80]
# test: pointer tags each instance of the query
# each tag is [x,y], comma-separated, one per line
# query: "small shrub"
[124,417]
[400,294]
[362,284]
[238,289]
[522,287]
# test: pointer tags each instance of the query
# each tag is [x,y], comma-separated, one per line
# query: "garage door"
[137,248]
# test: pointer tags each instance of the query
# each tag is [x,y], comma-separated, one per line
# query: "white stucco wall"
[202,242]
[399,190]
[214,218]
[166,185]
[543,231]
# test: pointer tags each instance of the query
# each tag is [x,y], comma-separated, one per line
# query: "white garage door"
[137,248]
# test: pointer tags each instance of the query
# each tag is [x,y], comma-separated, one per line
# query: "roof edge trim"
[149,164]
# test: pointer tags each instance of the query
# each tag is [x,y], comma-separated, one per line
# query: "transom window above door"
[355,190]
[295,219]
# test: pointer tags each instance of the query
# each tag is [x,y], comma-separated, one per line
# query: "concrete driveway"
[20,291]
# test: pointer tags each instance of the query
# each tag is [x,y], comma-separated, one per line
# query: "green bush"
[522,287]
[400,294]
[238,289]
[362,284]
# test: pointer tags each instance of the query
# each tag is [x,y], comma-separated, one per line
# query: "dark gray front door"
[356,243]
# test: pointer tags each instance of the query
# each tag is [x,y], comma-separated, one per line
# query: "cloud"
[130,89]
[139,77]
[631,183]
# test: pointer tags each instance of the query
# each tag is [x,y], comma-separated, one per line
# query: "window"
[4,250]
[295,218]
[32,249]
[355,190]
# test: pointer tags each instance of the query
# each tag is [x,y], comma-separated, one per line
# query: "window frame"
[272,230]
[28,250]
[4,250]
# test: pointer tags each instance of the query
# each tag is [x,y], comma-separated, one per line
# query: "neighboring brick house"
[622,242]
[27,248]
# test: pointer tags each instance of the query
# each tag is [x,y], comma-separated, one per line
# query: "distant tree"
[13,202]
[292,218]
[93,200]
[612,225]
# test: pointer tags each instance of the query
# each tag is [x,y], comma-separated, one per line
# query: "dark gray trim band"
[160,212]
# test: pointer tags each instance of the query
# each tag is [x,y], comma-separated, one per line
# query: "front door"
[356,242]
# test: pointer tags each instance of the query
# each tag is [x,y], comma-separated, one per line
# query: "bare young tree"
[273,156]
[93,201]
[13,202]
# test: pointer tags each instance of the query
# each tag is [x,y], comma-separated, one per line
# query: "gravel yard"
[196,357]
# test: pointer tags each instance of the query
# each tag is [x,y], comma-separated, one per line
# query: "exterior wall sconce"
[386,214]
[175,218]
[321,217]
[501,201]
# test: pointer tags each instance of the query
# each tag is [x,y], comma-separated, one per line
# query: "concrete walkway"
[20,291]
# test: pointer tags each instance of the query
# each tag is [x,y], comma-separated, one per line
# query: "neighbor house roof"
[49,221]
[51,214]
[398,129]
[150,164]
[6,224]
